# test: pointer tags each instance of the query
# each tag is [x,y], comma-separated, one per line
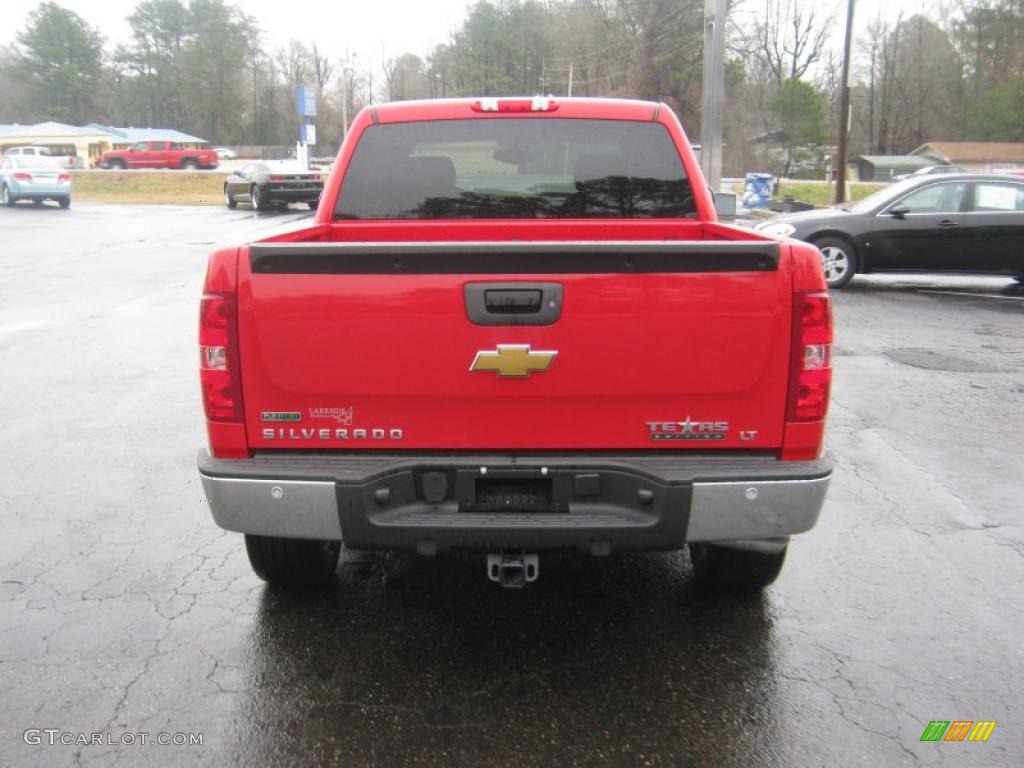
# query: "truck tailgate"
[514,345]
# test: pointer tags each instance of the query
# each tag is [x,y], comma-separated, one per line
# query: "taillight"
[277,178]
[536,104]
[64,177]
[22,176]
[218,358]
[811,377]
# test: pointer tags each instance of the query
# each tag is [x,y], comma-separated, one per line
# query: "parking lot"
[124,609]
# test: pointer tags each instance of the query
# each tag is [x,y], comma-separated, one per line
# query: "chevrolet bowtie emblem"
[513,360]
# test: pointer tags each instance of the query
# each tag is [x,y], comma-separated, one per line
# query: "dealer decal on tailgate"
[688,430]
[340,415]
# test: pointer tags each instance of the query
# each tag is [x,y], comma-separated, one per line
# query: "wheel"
[189,165]
[313,204]
[116,165]
[37,201]
[229,201]
[735,570]
[838,260]
[293,562]
[64,202]
[259,202]
[5,196]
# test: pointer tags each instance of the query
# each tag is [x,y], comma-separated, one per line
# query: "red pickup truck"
[516,328]
[159,154]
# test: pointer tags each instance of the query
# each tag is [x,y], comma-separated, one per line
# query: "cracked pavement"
[124,609]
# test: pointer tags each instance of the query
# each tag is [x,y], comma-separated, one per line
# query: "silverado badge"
[513,360]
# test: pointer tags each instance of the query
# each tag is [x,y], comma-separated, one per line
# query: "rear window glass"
[518,168]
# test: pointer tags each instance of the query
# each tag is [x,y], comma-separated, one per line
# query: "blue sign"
[305,101]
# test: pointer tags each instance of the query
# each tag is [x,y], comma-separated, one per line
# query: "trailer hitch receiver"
[513,570]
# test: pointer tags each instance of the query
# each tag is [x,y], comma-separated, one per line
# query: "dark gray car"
[265,184]
[971,223]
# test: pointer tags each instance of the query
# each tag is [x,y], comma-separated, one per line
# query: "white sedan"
[34,177]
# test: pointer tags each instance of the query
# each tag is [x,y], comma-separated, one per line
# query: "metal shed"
[884,167]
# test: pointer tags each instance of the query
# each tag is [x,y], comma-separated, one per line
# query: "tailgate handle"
[515,300]
[513,303]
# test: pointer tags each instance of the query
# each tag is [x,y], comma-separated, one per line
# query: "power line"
[603,53]
[677,47]
[628,67]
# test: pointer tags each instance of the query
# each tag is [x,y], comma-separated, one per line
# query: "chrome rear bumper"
[650,502]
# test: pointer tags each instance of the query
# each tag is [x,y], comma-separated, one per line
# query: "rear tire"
[838,261]
[116,165]
[189,165]
[293,562]
[259,202]
[64,202]
[313,204]
[6,197]
[736,571]
[229,201]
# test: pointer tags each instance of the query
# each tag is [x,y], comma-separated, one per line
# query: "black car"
[972,223]
[268,184]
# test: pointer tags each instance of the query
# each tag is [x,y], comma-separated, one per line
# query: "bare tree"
[828,80]
[790,37]
[439,71]
[910,85]
[405,77]
[883,39]
[323,69]
[293,60]
[390,66]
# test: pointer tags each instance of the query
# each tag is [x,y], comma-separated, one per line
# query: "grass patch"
[822,194]
[819,193]
[152,187]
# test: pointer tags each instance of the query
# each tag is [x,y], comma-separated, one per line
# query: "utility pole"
[844,109]
[346,75]
[569,94]
[713,94]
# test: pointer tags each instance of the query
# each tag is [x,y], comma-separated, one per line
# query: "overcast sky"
[368,28]
[371,29]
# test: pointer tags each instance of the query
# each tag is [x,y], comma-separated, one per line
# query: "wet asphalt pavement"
[123,609]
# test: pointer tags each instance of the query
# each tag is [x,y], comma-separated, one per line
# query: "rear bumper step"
[593,503]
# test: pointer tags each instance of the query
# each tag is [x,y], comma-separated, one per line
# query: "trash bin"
[757,190]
